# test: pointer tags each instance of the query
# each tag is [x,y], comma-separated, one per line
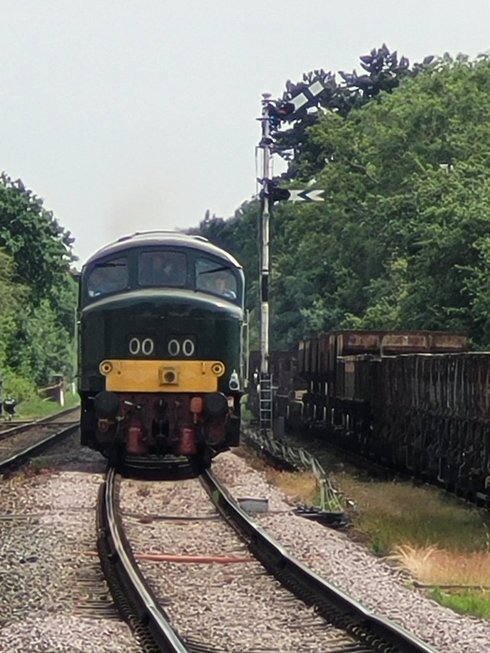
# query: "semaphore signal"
[273,113]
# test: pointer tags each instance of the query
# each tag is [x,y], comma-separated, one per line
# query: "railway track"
[205,581]
[21,441]
[162,607]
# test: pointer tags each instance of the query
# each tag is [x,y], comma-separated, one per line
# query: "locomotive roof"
[161,238]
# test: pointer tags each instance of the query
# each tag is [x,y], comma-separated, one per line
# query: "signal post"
[273,113]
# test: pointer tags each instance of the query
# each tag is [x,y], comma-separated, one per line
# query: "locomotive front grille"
[161,375]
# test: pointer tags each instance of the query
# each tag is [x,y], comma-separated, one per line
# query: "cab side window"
[215,278]
[108,277]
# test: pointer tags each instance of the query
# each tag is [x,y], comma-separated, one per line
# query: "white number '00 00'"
[145,346]
[187,347]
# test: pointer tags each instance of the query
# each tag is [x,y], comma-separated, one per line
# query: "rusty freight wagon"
[417,400]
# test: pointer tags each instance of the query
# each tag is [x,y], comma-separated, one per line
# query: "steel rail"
[129,589]
[374,631]
[37,447]
[42,421]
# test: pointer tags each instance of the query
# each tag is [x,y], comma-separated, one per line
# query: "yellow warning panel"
[161,375]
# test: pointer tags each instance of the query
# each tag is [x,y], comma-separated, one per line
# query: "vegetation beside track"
[36,408]
[443,542]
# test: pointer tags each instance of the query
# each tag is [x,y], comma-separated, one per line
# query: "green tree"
[41,347]
[12,298]
[401,241]
[382,72]
[40,247]
[37,293]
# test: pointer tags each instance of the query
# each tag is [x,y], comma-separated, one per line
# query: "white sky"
[127,115]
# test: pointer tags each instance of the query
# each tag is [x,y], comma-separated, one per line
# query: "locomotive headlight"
[105,367]
[218,369]
[234,381]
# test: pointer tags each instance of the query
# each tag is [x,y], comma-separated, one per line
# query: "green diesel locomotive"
[161,338]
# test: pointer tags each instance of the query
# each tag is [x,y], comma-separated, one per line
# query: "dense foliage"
[403,238]
[37,293]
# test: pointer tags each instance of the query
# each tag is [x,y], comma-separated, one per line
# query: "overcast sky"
[127,115]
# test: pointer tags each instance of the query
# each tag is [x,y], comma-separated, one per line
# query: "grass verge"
[470,602]
[443,542]
[37,408]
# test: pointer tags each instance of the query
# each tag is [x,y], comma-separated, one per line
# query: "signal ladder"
[265,403]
